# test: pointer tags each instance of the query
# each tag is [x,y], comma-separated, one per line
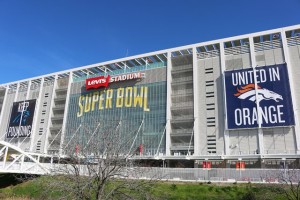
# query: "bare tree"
[287,181]
[290,180]
[102,168]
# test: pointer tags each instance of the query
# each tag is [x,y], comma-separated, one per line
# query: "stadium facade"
[223,101]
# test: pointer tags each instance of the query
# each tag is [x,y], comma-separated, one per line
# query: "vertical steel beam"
[168,106]
[50,114]
[26,98]
[37,114]
[5,157]
[2,111]
[22,162]
[293,90]
[223,68]
[196,129]
[28,89]
[17,91]
[63,130]
[15,99]
[259,120]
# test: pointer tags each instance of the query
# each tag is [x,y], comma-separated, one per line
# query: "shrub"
[173,187]
[249,195]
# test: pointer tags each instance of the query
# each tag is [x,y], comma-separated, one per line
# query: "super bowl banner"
[273,97]
[129,97]
[20,124]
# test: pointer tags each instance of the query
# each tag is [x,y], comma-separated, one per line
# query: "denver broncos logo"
[248,92]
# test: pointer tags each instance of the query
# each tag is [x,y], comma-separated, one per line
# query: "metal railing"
[57,116]
[61,96]
[182,79]
[181,131]
[266,152]
[174,174]
[55,126]
[223,174]
[59,106]
[204,175]
[182,92]
[277,151]
[182,117]
[185,104]
[181,68]
[293,41]
[267,45]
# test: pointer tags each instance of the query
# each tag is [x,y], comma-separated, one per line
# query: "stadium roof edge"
[157,52]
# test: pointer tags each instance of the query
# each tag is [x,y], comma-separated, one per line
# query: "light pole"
[240,159]
[206,169]
[284,167]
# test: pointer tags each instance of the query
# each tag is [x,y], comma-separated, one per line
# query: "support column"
[262,163]
[168,106]
[5,157]
[16,139]
[17,91]
[2,112]
[196,104]
[65,113]
[31,135]
[50,114]
[37,114]
[22,162]
[259,120]
[286,54]
[28,90]
[226,132]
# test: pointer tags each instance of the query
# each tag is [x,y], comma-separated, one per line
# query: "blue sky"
[44,36]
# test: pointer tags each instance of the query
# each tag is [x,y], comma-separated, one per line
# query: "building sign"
[20,124]
[97,82]
[126,107]
[271,96]
[103,81]
[129,97]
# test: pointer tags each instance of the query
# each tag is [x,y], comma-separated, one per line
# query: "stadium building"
[218,103]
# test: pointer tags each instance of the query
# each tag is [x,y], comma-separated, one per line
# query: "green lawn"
[216,191]
[35,189]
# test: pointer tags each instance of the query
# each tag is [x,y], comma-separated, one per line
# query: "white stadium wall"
[188,100]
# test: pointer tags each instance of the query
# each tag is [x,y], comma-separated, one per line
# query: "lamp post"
[206,169]
[240,159]
[284,167]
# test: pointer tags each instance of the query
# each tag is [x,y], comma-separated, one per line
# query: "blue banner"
[21,118]
[273,97]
